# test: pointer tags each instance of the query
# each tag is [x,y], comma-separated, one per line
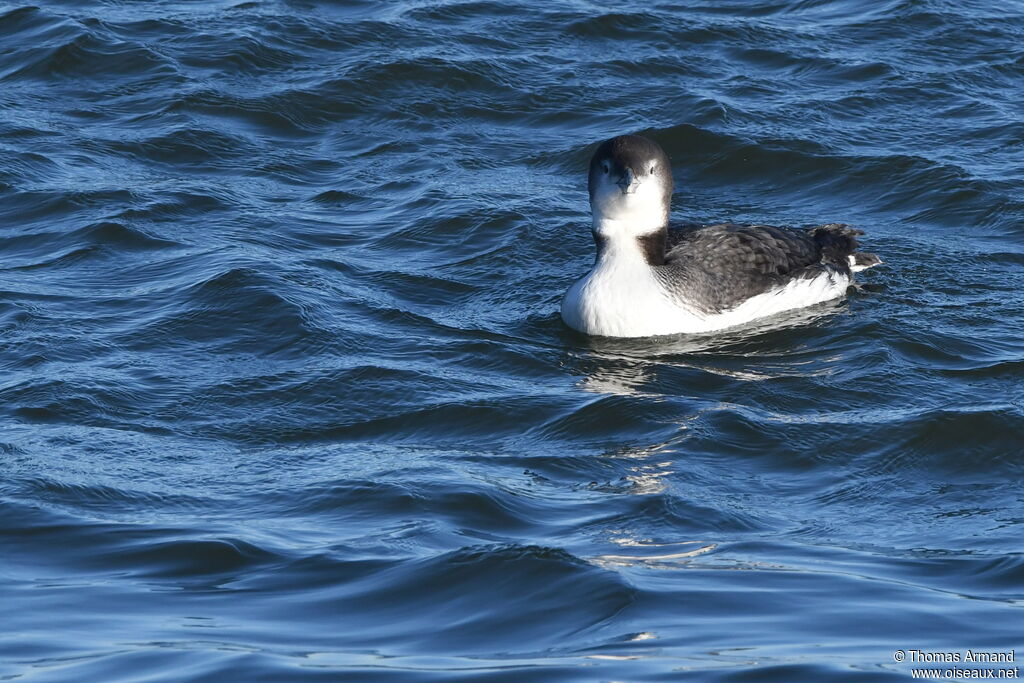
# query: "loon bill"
[652,279]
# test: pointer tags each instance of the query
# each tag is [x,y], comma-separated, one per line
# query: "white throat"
[629,228]
[617,214]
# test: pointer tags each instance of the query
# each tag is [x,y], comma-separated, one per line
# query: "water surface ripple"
[285,395]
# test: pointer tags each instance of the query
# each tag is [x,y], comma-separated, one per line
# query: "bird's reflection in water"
[648,474]
[783,345]
[687,371]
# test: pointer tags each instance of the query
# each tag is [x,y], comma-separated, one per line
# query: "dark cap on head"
[632,151]
[639,156]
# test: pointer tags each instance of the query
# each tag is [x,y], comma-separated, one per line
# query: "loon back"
[720,266]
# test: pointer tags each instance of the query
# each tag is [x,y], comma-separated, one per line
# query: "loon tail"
[838,245]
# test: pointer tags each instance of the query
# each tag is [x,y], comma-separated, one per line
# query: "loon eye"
[605,166]
[652,170]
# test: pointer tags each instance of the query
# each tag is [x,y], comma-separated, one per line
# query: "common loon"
[652,279]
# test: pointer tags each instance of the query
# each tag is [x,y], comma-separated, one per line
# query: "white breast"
[621,297]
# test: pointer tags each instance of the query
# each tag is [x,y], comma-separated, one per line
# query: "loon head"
[630,187]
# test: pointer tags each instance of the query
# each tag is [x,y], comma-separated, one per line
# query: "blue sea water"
[286,397]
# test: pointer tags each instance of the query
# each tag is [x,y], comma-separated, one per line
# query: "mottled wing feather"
[725,264]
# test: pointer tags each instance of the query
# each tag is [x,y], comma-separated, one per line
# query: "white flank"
[620,297]
[856,267]
[794,294]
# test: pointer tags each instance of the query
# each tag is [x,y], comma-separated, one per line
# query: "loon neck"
[621,243]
